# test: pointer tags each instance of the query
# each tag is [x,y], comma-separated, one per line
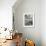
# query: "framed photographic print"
[28,19]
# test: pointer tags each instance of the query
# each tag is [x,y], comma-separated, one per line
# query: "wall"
[33,33]
[43,22]
[6,13]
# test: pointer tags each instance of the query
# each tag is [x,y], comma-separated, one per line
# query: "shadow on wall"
[37,41]
[24,7]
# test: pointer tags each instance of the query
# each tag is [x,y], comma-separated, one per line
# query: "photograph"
[28,20]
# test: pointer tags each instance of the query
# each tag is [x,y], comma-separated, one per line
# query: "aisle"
[9,43]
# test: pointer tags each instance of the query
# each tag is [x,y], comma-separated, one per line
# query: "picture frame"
[28,19]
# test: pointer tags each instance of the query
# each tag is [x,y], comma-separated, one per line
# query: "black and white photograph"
[28,20]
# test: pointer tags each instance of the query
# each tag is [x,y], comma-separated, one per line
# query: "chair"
[18,39]
[29,43]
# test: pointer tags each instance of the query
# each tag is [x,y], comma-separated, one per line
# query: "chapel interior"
[22,22]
